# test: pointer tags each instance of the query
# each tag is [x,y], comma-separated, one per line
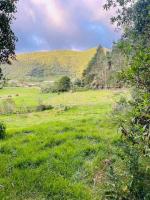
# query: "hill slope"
[49,65]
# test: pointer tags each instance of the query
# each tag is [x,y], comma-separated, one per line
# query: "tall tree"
[7,37]
[95,73]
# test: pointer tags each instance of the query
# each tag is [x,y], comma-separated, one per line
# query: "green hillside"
[49,65]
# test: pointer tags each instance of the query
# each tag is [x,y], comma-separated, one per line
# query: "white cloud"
[62,24]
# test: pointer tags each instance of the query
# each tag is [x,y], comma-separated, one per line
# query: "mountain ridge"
[49,65]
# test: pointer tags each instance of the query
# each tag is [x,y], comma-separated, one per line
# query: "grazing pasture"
[57,154]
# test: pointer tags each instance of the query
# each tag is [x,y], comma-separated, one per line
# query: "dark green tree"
[63,85]
[7,37]
[96,72]
[1,74]
[103,68]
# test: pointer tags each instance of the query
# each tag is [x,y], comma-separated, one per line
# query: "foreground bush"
[132,182]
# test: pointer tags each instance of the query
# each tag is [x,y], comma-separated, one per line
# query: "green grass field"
[57,154]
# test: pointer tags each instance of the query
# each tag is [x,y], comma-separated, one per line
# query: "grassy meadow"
[57,154]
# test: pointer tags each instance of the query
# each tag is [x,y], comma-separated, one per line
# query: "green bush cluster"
[62,85]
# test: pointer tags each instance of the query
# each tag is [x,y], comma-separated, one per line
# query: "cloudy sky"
[62,24]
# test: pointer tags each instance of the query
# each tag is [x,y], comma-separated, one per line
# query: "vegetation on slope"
[49,65]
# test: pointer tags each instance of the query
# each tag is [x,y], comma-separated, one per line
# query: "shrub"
[63,84]
[47,88]
[61,108]
[77,84]
[2,131]
[1,84]
[43,107]
[7,106]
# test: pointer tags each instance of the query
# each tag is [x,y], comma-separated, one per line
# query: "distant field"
[57,154]
[34,96]
[49,65]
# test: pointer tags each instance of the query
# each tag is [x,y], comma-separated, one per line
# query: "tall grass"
[57,154]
